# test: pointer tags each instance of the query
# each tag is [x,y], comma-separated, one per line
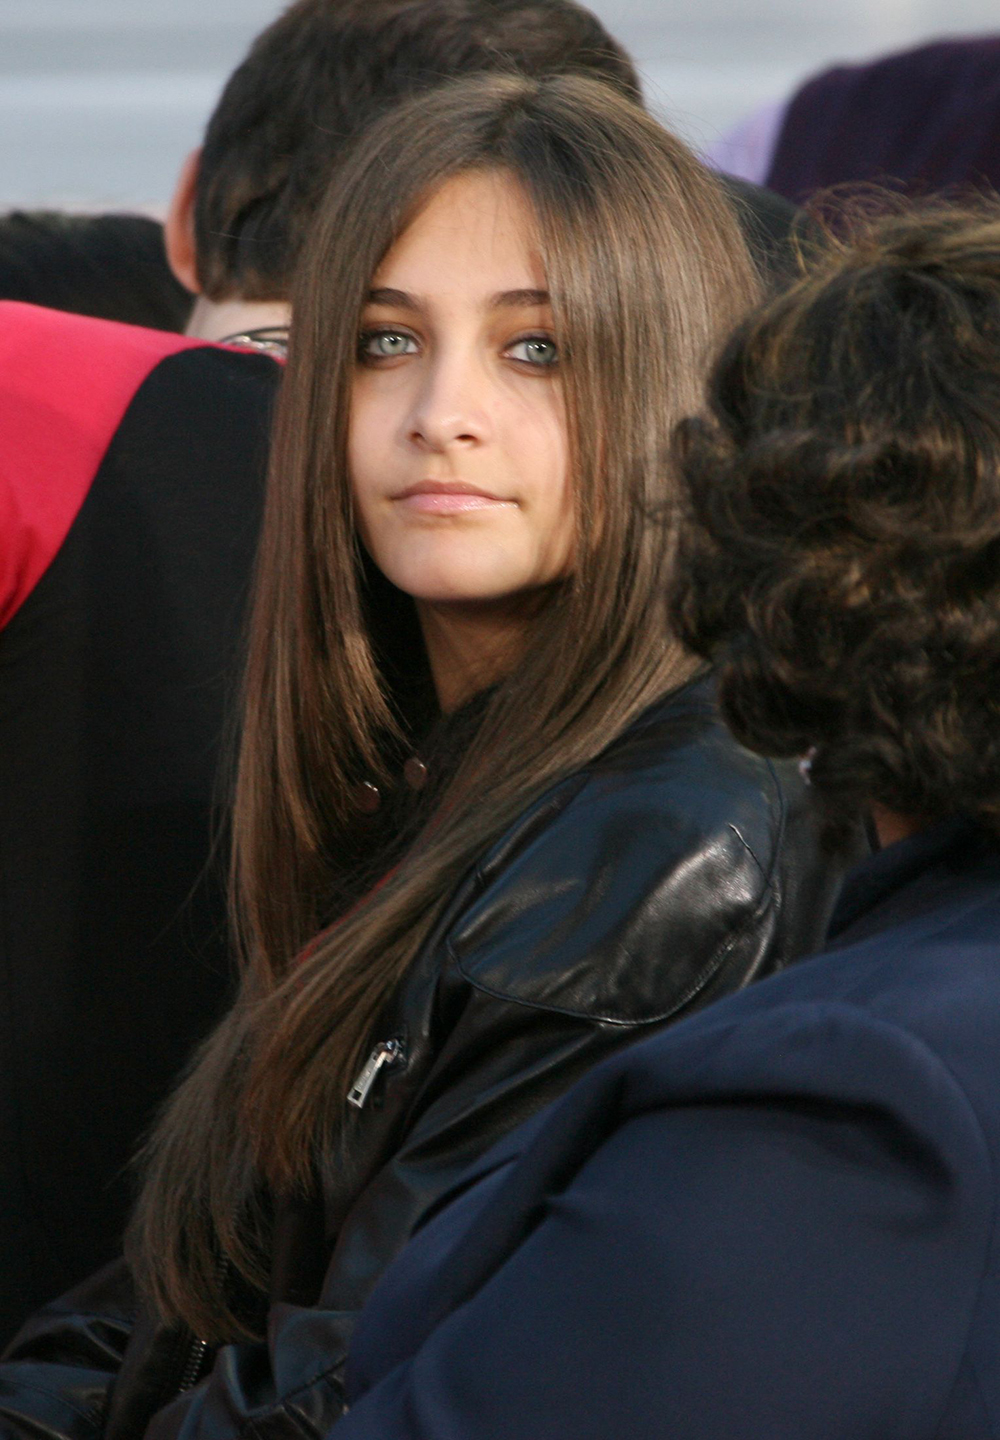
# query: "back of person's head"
[109,266]
[926,119]
[317,77]
[841,547]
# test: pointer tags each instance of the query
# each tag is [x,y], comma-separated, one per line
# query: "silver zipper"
[198,1349]
[388,1052]
[192,1367]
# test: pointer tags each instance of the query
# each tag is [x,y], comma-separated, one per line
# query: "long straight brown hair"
[647,271]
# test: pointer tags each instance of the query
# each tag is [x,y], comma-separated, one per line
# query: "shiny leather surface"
[57,1371]
[673,869]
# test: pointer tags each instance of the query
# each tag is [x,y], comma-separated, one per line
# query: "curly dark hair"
[839,536]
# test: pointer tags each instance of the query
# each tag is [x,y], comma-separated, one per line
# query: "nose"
[450,406]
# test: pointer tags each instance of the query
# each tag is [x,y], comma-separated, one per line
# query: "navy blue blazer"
[775,1221]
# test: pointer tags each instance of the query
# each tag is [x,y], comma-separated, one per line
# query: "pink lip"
[446,497]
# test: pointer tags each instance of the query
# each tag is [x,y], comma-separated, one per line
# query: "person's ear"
[178,228]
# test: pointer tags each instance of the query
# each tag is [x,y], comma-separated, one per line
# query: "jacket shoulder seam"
[714,963]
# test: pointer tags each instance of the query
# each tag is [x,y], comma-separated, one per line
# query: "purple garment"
[927,119]
[747,150]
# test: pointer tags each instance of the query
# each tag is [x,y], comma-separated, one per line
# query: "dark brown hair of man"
[319,75]
[647,272]
[840,550]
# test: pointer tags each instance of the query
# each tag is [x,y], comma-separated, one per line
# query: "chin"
[456,593]
[469,583]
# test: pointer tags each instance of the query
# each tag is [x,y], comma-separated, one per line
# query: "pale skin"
[210,319]
[457,444]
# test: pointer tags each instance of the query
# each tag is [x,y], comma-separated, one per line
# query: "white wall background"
[100,99]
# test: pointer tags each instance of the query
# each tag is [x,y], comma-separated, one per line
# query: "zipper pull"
[388,1052]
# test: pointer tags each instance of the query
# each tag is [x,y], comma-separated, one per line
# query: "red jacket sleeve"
[65,383]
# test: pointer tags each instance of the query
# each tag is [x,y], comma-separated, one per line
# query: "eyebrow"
[398,298]
[519,297]
[507,299]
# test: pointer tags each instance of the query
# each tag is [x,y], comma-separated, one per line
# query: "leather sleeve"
[57,1373]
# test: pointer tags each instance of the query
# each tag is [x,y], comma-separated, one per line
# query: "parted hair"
[647,271]
[840,531]
[318,76]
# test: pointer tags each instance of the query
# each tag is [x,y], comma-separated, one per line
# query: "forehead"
[476,234]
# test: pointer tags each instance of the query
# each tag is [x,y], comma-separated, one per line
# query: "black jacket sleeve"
[58,1371]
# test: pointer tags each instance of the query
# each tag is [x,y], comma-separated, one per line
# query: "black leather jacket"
[672,869]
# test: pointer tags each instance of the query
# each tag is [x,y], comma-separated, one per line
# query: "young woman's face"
[457,443]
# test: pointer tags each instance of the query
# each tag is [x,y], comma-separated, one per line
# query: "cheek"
[365,439]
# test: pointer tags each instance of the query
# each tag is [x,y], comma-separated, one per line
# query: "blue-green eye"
[534,350]
[385,344]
